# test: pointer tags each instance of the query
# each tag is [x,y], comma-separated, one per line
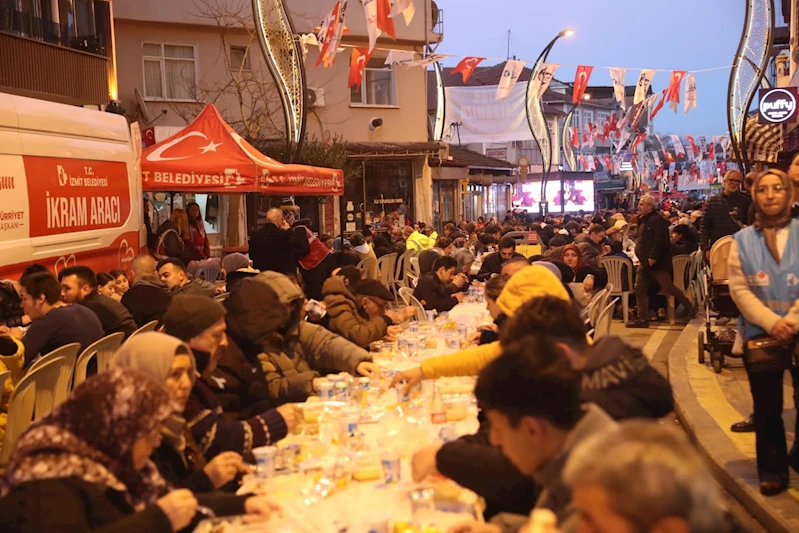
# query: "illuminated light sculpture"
[568,153]
[283,57]
[538,124]
[438,125]
[748,70]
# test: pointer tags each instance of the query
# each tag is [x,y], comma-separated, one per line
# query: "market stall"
[208,157]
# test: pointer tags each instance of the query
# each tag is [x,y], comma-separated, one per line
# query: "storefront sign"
[380,201]
[497,153]
[778,105]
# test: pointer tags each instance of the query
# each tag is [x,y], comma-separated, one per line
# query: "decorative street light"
[538,124]
[568,153]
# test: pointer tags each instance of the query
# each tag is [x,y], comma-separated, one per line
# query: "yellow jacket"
[419,242]
[12,363]
[528,283]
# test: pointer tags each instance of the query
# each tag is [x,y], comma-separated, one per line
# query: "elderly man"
[148,296]
[276,247]
[653,250]
[725,213]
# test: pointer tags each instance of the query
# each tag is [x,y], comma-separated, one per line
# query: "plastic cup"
[325,391]
[265,459]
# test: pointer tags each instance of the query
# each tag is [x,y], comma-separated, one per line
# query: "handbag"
[765,353]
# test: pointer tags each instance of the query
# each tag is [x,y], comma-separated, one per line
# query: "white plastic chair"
[68,354]
[415,270]
[614,267]
[209,272]
[49,379]
[591,313]
[386,266]
[406,293]
[602,326]
[402,269]
[103,350]
[365,266]
[680,265]
[149,326]
[20,412]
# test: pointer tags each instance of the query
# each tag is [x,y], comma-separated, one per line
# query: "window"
[602,116]
[377,87]
[170,71]
[588,116]
[239,58]
[576,117]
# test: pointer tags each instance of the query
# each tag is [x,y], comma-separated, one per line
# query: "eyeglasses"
[736,182]
[776,189]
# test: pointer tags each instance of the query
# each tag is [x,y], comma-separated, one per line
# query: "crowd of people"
[166,431]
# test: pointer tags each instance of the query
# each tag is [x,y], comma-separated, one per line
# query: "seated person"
[79,286]
[492,263]
[265,316]
[12,357]
[465,258]
[683,241]
[433,291]
[148,297]
[488,333]
[172,271]
[11,313]
[54,323]
[357,311]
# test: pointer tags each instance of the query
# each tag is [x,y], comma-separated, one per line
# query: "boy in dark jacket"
[433,291]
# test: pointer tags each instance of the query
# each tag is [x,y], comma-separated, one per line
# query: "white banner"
[513,69]
[543,79]
[690,93]
[641,89]
[370,11]
[405,7]
[617,75]
[484,118]
[702,144]
[399,57]
[429,60]
[678,147]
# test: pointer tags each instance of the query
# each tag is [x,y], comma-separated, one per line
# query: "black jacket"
[278,250]
[71,505]
[717,221]
[176,472]
[147,300]
[617,378]
[492,264]
[239,386]
[433,294]
[114,316]
[653,242]
[11,312]
[174,245]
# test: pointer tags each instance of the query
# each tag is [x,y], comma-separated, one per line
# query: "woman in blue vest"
[764,282]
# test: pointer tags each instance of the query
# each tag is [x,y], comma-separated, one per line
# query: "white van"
[70,188]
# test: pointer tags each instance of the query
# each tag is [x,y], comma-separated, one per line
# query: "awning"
[208,156]
[763,141]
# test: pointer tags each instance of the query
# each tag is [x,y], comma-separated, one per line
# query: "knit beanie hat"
[233,262]
[189,315]
[621,224]
[372,288]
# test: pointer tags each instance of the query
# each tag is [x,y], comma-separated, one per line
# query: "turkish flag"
[637,141]
[673,94]
[466,67]
[360,56]
[608,163]
[581,82]
[668,156]
[659,105]
[694,148]
[583,162]
[575,137]
[384,22]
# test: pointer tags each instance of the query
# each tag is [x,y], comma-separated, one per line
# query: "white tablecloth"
[465,314]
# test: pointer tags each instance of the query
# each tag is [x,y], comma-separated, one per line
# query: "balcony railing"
[437,18]
[33,27]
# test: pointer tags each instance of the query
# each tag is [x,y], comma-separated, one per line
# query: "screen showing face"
[578,195]
[531,194]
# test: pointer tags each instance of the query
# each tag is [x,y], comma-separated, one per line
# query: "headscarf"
[153,353]
[463,257]
[770,224]
[233,262]
[580,262]
[91,436]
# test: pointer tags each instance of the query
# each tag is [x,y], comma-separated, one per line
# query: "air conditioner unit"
[315,97]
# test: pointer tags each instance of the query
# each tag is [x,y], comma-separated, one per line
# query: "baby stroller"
[718,342]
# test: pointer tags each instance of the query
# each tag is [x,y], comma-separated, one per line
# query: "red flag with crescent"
[581,82]
[582,161]
[608,162]
[637,141]
[659,105]
[575,137]
[694,148]
[466,67]
[384,22]
[673,94]
[360,57]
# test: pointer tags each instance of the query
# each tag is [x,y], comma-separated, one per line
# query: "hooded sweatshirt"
[346,316]
[528,283]
[147,300]
[265,318]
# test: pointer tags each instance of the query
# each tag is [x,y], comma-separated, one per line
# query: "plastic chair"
[49,379]
[719,253]
[402,269]
[20,412]
[209,272]
[365,266]
[602,326]
[406,293]
[68,350]
[614,267]
[596,306]
[415,270]
[386,266]
[149,326]
[103,350]
[68,354]
[680,265]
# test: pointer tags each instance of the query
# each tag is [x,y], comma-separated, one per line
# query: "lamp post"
[538,124]
[568,153]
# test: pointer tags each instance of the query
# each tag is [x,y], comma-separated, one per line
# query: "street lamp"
[568,153]
[538,124]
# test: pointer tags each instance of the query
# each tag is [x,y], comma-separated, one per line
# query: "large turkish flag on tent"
[208,156]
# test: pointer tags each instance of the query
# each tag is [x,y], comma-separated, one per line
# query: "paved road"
[657,342]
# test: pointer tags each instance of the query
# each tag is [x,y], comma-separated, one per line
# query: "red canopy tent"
[208,156]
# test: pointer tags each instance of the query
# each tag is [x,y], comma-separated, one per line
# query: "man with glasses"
[725,213]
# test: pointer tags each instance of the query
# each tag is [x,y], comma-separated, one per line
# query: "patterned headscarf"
[91,436]
[770,224]
[580,262]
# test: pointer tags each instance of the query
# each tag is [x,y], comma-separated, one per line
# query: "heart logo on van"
[65,262]
[126,254]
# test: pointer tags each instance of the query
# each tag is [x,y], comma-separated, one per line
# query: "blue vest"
[776,285]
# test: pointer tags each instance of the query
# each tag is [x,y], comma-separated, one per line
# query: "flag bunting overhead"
[466,67]
[581,82]
[360,57]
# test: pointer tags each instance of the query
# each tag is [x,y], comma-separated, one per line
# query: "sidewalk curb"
[733,470]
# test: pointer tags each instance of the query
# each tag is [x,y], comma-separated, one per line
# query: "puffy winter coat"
[346,317]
